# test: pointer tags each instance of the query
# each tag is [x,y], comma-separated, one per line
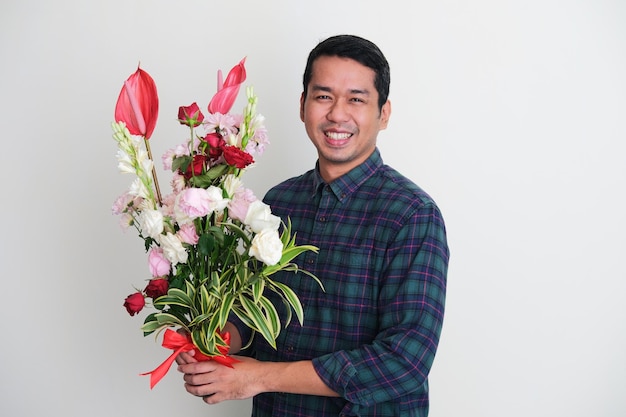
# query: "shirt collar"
[345,185]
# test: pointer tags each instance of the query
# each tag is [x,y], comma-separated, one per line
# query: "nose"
[338,112]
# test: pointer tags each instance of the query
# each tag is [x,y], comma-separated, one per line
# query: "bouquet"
[211,245]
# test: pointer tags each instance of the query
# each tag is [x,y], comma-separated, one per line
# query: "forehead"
[342,73]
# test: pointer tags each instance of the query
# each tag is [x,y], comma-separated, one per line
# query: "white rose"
[151,222]
[218,202]
[259,217]
[267,247]
[173,249]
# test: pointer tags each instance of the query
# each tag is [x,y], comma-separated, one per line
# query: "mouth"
[337,138]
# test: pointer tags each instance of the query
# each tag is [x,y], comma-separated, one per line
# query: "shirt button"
[322,219]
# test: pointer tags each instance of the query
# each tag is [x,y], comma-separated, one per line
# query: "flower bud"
[134,303]
[190,115]
[156,288]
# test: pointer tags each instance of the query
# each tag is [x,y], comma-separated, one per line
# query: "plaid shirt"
[372,334]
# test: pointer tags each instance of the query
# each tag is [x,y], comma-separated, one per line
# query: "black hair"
[359,49]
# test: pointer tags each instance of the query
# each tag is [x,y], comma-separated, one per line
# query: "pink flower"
[187,234]
[194,202]
[121,203]
[158,263]
[198,202]
[227,91]
[134,303]
[138,104]
[238,207]
[124,202]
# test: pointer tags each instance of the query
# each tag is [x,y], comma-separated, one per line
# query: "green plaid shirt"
[373,334]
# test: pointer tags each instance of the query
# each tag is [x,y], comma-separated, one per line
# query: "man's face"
[340,114]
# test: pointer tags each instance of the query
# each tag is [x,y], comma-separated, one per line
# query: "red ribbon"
[182,343]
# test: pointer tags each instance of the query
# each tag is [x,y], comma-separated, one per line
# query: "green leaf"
[150,324]
[243,316]
[225,308]
[255,314]
[205,300]
[169,320]
[199,319]
[206,243]
[271,314]
[175,296]
[204,343]
[292,298]
[181,163]
[257,289]
[205,180]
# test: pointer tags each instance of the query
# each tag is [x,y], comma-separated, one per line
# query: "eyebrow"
[317,87]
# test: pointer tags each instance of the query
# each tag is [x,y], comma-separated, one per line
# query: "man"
[368,341]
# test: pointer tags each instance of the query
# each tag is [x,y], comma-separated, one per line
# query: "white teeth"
[337,136]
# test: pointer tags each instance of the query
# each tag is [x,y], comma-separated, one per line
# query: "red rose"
[216,143]
[156,288]
[237,157]
[134,303]
[190,115]
[196,166]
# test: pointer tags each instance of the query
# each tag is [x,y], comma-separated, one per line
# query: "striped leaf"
[255,315]
[292,298]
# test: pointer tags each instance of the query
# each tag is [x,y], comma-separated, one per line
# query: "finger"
[185,358]
[201,391]
[199,379]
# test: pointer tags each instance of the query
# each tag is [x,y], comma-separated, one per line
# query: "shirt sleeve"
[411,309]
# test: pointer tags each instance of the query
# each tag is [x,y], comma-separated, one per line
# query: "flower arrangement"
[211,245]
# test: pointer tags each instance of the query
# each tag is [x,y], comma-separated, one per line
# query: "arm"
[215,383]
[410,311]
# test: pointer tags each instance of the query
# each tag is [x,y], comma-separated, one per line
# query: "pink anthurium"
[227,91]
[138,104]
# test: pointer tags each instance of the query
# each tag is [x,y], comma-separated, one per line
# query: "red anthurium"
[190,115]
[138,104]
[227,91]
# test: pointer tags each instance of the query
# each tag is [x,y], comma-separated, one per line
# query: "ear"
[302,106]
[385,113]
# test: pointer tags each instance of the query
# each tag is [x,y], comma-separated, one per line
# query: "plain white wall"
[510,113]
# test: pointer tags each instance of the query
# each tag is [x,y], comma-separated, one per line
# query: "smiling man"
[369,340]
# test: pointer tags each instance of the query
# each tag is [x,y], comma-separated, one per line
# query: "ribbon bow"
[182,343]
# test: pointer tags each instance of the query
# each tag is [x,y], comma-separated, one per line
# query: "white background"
[511,114]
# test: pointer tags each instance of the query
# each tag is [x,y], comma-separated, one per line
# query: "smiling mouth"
[337,138]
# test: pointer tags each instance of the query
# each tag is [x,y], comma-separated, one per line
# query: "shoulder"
[291,188]
[398,193]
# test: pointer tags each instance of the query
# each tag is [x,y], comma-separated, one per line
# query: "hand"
[184,358]
[216,383]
